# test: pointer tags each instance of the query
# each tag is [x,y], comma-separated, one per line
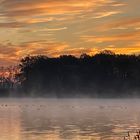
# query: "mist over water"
[68,119]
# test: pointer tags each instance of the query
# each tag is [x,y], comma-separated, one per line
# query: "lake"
[68,119]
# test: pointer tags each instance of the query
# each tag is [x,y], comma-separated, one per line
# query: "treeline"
[103,75]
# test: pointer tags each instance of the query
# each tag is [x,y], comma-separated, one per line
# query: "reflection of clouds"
[10,125]
[67,119]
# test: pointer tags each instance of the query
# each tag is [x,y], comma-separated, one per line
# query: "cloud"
[125,50]
[76,51]
[49,7]
[55,27]
[130,36]
[34,11]
[122,23]
[49,29]
[106,14]
[13,53]
[12,25]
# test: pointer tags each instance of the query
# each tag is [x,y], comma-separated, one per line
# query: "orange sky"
[56,27]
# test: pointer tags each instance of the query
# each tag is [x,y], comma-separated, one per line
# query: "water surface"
[68,119]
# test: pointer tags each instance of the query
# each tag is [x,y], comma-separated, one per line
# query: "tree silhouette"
[102,75]
[105,74]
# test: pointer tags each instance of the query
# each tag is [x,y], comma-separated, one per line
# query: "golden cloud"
[130,36]
[106,14]
[57,27]
[122,24]
[34,11]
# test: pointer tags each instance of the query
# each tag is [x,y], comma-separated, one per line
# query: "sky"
[59,27]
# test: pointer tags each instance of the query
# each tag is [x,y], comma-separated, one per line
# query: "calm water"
[68,119]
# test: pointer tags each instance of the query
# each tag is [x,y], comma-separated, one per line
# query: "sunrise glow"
[58,27]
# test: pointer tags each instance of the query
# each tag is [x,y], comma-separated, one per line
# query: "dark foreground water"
[68,119]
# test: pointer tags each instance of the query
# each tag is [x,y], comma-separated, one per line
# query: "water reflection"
[67,119]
